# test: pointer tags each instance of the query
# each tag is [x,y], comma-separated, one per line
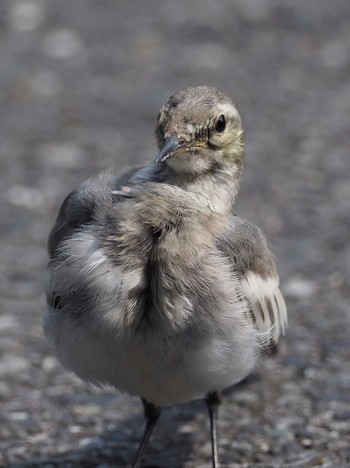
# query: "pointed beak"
[171,146]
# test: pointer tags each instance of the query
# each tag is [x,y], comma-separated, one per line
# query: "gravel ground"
[81,83]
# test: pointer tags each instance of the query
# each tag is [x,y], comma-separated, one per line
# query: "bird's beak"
[171,146]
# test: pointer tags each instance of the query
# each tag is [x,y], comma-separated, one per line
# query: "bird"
[155,286]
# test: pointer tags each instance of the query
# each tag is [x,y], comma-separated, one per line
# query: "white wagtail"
[154,285]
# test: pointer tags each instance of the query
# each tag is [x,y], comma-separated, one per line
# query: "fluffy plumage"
[153,285]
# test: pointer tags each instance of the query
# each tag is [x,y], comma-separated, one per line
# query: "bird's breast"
[133,309]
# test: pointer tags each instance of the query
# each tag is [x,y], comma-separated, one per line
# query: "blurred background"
[81,83]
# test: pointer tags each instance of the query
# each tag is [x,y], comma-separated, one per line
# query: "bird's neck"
[216,189]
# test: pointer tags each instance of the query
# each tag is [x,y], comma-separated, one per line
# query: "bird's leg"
[152,413]
[213,401]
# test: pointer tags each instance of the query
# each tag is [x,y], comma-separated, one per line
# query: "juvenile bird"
[154,285]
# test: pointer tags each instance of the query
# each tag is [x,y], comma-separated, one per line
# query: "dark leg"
[152,413]
[213,401]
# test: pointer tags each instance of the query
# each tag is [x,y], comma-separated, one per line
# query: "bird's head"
[199,129]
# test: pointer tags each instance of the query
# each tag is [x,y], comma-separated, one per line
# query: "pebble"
[300,288]
[264,447]
[8,323]
[186,429]
[75,429]
[85,441]
[62,44]
[66,155]
[12,364]
[28,197]
[25,15]
[18,416]
[88,410]
[49,363]
[306,442]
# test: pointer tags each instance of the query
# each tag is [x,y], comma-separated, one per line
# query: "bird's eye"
[220,124]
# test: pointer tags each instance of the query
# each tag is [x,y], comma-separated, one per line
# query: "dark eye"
[220,124]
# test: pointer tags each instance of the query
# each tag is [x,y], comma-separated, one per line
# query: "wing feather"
[245,245]
[78,210]
[267,304]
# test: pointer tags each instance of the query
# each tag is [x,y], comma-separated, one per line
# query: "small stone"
[85,441]
[246,397]
[8,322]
[300,288]
[62,44]
[26,15]
[49,363]
[306,442]
[75,429]
[61,154]
[264,447]
[186,429]
[28,197]
[87,410]
[12,365]
[18,416]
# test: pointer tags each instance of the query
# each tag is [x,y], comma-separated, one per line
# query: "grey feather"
[245,245]
[80,205]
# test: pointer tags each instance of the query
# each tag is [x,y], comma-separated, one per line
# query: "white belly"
[196,342]
[162,373]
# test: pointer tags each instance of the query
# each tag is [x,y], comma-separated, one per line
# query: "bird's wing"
[79,207]
[77,212]
[245,245]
